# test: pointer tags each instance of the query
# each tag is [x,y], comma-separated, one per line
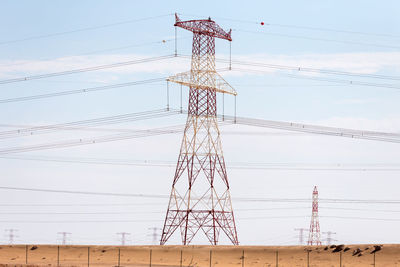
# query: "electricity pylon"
[200,199]
[314,237]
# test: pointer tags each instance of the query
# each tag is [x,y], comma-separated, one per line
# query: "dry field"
[198,256]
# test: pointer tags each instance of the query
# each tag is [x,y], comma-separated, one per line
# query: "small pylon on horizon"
[314,237]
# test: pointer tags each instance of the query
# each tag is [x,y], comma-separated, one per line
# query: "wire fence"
[197,256]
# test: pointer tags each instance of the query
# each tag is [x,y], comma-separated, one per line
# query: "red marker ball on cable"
[262,23]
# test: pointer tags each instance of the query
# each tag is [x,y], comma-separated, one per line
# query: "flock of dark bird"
[356,252]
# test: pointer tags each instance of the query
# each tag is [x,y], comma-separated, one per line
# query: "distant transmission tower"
[155,235]
[301,235]
[200,200]
[124,236]
[314,237]
[64,237]
[10,233]
[329,238]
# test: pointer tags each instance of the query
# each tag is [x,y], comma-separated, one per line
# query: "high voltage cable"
[306,69]
[95,51]
[158,212]
[300,27]
[317,39]
[94,68]
[158,196]
[244,218]
[324,79]
[303,69]
[232,165]
[83,29]
[89,141]
[129,117]
[80,91]
[314,129]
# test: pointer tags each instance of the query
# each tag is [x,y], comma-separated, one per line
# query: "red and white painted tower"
[314,237]
[200,200]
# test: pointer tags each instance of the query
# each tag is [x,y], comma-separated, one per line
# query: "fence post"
[340,257]
[150,256]
[58,256]
[374,258]
[88,256]
[26,254]
[210,257]
[308,258]
[276,258]
[243,258]
[181,259]
[119,257]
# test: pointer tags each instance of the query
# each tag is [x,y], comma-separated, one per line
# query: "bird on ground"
[376,249]
[338,248]
[356,251]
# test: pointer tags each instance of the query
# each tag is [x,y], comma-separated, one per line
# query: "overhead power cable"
[89,141]
[24,62]
[123,118]
[80,91]
[303,69]
[266,23]
[312,70]
[230,165]
[239,219]
[158,196]
[84,29]
[157,212]
[324,79]
[316,129]
[94,68]
[317,39]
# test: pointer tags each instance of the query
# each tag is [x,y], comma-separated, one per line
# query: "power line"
[312,70]
[123,118]
[89,141]
[163,41]
[80,91]
[158,196]
[304,69]
[231,165]
[317,39]
[94,68]
[83,29]
[243,218]
[315,129]
[300,26]
[324,79]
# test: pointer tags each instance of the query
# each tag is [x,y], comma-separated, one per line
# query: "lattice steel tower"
[200,198]
[314,237]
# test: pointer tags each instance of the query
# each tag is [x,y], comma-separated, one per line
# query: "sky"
[44,37]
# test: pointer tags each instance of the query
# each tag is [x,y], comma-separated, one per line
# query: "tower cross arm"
[203,26]
[221,86]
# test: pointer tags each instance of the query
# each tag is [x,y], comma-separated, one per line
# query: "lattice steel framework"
[314,237]
[200,198]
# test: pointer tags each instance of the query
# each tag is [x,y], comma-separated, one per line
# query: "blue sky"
[372,47]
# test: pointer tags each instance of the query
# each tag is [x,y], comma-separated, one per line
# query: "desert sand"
[199,256]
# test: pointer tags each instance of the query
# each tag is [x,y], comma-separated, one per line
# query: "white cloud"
[367,63]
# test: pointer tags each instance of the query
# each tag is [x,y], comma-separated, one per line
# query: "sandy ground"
[198,256]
